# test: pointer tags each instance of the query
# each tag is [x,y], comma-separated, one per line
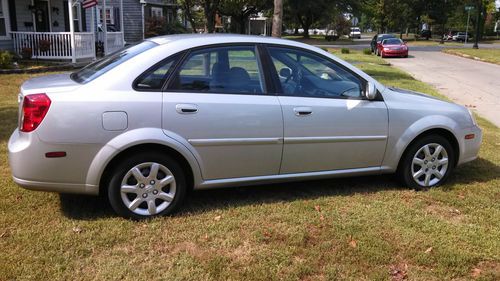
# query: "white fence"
[114,41]
[54,45]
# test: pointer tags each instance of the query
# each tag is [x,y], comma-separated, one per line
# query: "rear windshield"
[393,41]
[98,68]
[385,36]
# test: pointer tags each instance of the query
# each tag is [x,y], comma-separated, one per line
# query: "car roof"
[194,40]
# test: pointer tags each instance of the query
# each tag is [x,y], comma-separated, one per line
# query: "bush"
[26,53]
[6,59]
[367,51]
[44,45]
[156,26]
[344,51]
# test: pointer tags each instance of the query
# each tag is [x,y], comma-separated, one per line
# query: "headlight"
[472,117]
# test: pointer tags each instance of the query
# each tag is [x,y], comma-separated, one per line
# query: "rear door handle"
[302,111]
[186,108]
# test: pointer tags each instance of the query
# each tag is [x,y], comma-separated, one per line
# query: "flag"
[89,3]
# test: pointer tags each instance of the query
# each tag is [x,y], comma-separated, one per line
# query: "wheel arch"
[140,140]
[445,133]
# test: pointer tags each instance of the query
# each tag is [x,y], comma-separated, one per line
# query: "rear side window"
[234,69]
[154,78]
[98,68]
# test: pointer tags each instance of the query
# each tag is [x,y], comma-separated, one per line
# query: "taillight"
[35,108]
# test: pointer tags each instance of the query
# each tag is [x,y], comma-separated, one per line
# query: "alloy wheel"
[429,164]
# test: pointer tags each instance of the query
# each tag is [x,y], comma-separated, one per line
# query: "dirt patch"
[488,270]
[444,212]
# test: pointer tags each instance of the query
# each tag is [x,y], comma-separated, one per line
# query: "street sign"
[468,8]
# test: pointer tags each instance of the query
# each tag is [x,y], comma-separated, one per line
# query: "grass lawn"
[488,55]
[367,228]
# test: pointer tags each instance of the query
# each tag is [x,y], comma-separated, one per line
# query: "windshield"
[385,36]
[98,68]
[392,41]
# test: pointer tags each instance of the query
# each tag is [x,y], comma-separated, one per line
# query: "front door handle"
[186,108]
[303,111]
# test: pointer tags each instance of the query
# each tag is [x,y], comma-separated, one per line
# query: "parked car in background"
[426,33]
[331,35]
[449,35]
[377,39]
[149,123]
[355,33]
[392,47]
[462,36]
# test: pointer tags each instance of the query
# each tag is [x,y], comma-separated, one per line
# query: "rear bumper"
[32,170]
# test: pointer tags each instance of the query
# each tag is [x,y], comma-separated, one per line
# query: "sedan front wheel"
[427,163]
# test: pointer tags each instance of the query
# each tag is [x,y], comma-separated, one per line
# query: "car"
[462,36]
[355,33]
[171,114]
[426,33]
[392,47]
[449,35]
[377,39]
[331,35]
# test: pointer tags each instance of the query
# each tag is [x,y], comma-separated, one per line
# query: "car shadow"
[8,115]
[89,208]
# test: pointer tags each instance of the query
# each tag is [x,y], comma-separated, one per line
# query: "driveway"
[467,82]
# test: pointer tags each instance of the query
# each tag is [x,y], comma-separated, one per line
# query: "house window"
[110,17]
[156,12]
[4,21]
[170,16]
[76,18]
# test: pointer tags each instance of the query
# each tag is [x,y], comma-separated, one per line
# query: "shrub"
[156,26]
[6,59]
[344,51]
[44,45]
[367,51]
[26,53]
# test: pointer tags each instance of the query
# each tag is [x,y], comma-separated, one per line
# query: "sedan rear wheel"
[427,163]
[147,185]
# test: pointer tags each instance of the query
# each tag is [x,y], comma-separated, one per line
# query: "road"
[467,82]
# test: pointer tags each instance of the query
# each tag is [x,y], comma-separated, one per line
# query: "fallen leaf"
[352,242]
[217,218]
[4,234]
[475,273]
[399,273]
[456,211]
[321,217]
[317,208]
[77,229]
[428,250]
[461,196]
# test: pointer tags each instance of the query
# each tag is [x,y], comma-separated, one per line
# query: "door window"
[234,69]
[305,74]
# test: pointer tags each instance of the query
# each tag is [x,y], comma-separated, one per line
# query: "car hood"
[49,83]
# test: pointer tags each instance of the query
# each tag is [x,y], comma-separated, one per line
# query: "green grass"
[487,55]
[366,228]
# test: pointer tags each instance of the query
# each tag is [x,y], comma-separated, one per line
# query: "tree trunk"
[210,8]
[189,16]
[277,18]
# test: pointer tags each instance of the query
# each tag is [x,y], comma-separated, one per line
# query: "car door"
[216,102]
[328,124]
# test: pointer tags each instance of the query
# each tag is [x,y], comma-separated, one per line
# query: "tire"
[132,184]
[382,54]
[428,165]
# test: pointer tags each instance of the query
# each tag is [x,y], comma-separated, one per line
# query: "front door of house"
[42,21]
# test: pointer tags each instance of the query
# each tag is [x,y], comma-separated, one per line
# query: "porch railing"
[114,41]
[54,45]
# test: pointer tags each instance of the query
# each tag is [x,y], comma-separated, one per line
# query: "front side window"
[304,74]
[98,68]
[220,70]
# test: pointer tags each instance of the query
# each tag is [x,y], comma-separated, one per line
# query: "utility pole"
[468,8]
[277,18]
[478,17]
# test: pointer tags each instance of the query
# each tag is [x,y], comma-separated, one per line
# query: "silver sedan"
[173,113]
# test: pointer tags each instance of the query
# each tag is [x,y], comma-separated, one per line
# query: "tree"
[277,18]
[193,12]
[210,8]
[241,10]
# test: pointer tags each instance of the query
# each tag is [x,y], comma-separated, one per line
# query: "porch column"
[72,30]
[122,27]
[104,27]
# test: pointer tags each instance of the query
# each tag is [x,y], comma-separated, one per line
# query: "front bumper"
[470,147]
[396,53]
[32,170]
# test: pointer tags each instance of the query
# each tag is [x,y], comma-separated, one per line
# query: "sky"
[498,3]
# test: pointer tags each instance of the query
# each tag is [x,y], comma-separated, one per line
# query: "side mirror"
[371,91]
[285,72]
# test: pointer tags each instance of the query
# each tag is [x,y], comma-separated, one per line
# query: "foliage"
[26,53]
[155,26]
[345,51]
[241,10]
[367,51]
[192,11]
[6,59]
[44,45]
